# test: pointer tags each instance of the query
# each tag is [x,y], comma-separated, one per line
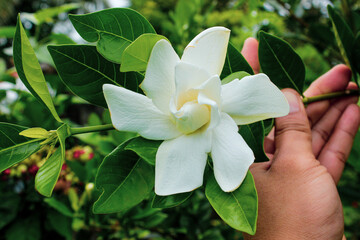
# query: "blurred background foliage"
[67,215]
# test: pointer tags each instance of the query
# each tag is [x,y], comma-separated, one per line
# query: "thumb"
[292,132]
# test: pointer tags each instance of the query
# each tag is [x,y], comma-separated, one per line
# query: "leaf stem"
[346,93]
[97,128]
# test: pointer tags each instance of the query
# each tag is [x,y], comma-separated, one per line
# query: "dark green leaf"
[137,54]
[356,57]
[239,208]
[9,135]
[60,223]
[84,71]
[254,136]
[59,206]
[24,229]
[235,62]
[170,201]
[29,69]
[125,179]
[8,208]
[344,37]
[113,30]
[281,63]
[146,149]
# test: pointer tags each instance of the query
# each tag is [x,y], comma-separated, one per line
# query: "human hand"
[308,148]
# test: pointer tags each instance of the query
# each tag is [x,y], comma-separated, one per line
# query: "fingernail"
[293,100]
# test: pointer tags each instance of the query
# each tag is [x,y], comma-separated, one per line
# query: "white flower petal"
[134,112]
[208,50]
[231,155]
[180,163]
[159,82]
[187,77]
[252,99]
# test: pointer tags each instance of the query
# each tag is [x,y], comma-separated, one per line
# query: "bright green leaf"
[59,206]
[48,174]
[146,149]
[47,14]
[125,180]
[254,136]
[36,132]
[239,208]
[281,63]
[7,32]
[137,54]
[29,69]
[344,37]
[113,30]
[84,71]
[235,62]
[170,201]
[233,76]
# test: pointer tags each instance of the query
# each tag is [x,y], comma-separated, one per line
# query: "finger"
[323,129]
[269,144]
[292,133]
[337,150]
[250,53]
[336,79]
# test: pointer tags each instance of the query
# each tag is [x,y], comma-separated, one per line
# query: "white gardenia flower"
[186,105]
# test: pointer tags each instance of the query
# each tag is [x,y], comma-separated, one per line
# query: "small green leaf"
[146,149]
[233,76]
[344,37]
[36,132]
[170,201]
[125,179]
[137,54]
[47,14]
[254,136]
[48,174]
[235,62]
[281,63]
[74,199]
[59,206]
[239,208]
[29,69]
[113,30]
[84,71]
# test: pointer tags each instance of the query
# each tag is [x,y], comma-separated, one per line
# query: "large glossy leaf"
[254,135]
[145,148]
[84,71]
[239,208]
[113,30]
[29,70]
[281,63]
[170,201]
[13,147]
[344,37]
[235,62]
[137,54]
[125,180]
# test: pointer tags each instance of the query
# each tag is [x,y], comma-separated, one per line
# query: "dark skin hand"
[307,149]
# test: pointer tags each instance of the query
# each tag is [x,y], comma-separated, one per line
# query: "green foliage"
[112,29]
[170,201]
[236,208]
[281,63]
[235,62]
[254,135]
[146,149]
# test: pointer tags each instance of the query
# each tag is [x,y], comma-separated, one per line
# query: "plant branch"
[346,93]
[90,129]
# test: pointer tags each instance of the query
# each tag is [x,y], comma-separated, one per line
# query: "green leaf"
[125,180]
[344,37]
[113,30]
[9,207]
[239,208]
[47,14]
[48,174]
[9,135]
[29,70]
[281,63]
[137,54]
[145,148]
[235,62]
[59,206]
[170,201]
[254,135]
[35,132]
[356,56]
[60,223]
[233,76]
[84,71]
[24,229]
[7,32]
